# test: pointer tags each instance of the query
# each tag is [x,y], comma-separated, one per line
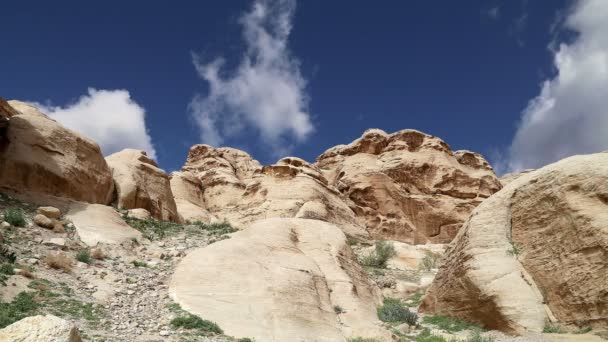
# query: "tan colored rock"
[96,224]
[313,210]
[237,189]
[536,249]
[279,280]
[408,186]
[43,157]
[509,177]
[188,194]
[140,183]
[43,221]
[50,212]
[410,257]
[139,213]
[41,328]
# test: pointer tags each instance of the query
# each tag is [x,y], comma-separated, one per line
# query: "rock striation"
[408,186]
[289,276]
[535,251]
[41,328]
[41,156]
[140,183]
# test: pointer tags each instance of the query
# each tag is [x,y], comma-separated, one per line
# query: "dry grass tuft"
[59,261]
[98,253]
[26,273]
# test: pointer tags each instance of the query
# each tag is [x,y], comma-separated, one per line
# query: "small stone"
[32,261]
[130,292]
[50,212]
[44,221]
[58,242]
[5,225]
[164,333]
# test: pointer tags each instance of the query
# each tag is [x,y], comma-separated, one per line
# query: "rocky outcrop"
[41,328]
[140,183]
[41,156]
[537,250]
[509,177]
[188,194]
[279,280]
[408,186]
[97,223]
[237,188]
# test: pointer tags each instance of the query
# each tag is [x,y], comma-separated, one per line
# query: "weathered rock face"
[541,239]
[279,280]
[188,194]
[42,156]
[408,186]
[238,189]
[41,328]
[140,183]
[509,177]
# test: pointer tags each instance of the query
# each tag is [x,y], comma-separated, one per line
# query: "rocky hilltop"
[393,237]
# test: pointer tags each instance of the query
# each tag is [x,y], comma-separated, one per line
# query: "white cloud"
[265,93]
[570,116]
[109,117]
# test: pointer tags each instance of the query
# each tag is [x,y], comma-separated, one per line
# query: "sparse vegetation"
[415,299]
[138,263]
[515,249]
[59,261]
[6,270]
[7,255]
[216,228]
[427,336]
[245,339]
[550,328]
[194,322]
[380,255]
[361,339]
[338,309]
[429,262]
[84,256]
[393,310]
[22,306]
[449,324]
[583,330]
[15,217]
[153,229]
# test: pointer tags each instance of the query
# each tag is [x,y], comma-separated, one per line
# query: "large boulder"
[140,183]
[280,280]
[408,186]
[96,223]
[535,251]
[41,328]
[41,156]
[235,187]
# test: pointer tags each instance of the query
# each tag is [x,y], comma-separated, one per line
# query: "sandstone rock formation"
[41,156]
[279,280]
[408,186]
[188,194]
[140,183]
[537,250]
[97,223]
[509,177]
[41,328]
[237,188]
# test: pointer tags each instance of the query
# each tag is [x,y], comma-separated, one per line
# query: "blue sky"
[298,78]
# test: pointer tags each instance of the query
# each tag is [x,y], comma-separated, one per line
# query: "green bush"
[8,255]
[15,217]
[22,306]
[449,324]
[338,309]
[138,263]
[553,329]
[429,262]
[194,322]
[378,258]
[583,330]
[84,256]
[5,271]
[245,339]
[216,228]
[361,339]
[393,310]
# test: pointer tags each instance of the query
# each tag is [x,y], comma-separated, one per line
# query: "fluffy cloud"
[266,92]
[570,116]
[110,117]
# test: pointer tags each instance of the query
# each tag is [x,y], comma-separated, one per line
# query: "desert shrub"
[361,339]
[26,273]
[583,330]
[216,228]
[245,339]
[22,306]
[7,255]
[98,253]
[194,322]
[415,299]
[553,329]
[449,324]
[427,336]
[6,270]
[153,229]
[59,261]
[515,249]
[380,255]
[429,262]
[393,310]
[138,263]
[15,217]
[338,309]
[84,256]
